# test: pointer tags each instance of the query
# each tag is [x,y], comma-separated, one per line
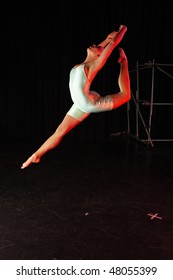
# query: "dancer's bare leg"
[123,80]
[66,125]
[120,34]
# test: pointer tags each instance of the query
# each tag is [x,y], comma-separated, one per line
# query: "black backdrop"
[42,40]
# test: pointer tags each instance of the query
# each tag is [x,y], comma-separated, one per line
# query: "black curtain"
[41,41]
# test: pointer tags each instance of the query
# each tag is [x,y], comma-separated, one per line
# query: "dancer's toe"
[32,159]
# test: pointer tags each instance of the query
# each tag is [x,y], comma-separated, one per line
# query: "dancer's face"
[95,50]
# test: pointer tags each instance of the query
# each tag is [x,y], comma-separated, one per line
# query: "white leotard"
[85,100]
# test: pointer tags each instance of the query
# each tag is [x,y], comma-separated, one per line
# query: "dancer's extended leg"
[123,80]
[66,125]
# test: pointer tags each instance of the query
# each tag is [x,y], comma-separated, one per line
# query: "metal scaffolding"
[149,103]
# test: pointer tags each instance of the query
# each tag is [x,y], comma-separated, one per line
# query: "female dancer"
[86,101]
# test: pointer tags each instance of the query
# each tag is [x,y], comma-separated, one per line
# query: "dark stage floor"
[87,200]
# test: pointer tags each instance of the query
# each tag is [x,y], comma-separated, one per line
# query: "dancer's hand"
[111,35]
[122,56]
[117,36]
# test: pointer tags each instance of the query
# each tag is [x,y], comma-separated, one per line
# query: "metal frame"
[150,102]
